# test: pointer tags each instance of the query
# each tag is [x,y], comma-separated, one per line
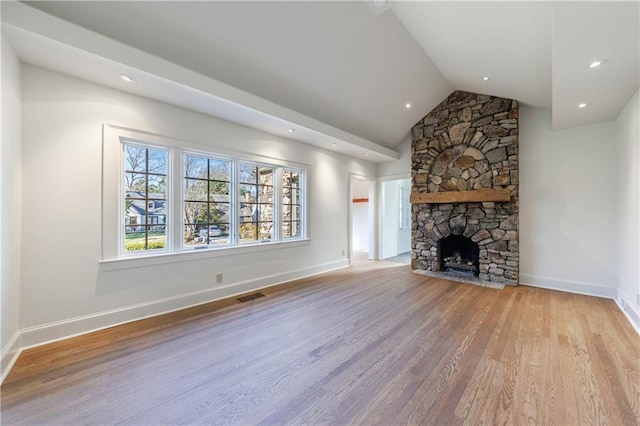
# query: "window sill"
[187,256]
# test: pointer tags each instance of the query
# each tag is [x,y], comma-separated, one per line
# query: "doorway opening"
[362,220]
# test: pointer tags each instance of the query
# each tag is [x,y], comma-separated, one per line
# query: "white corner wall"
[400,168]
[628,209]
[65,289]
[392,240]
[10,208]
[567,205]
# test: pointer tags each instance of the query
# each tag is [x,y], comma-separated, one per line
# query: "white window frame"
[114,257]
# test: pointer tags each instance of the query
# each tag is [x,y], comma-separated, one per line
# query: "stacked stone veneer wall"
[468,142]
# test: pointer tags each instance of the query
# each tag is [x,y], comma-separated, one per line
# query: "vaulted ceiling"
[342,72]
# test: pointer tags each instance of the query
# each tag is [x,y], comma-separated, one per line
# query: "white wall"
[10,210]
[393,241]
[360,228]
[65,289]
[567,205]
[389,219]
[400,168]
[360,223]
[628,206]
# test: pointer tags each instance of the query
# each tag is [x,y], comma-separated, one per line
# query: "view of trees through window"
[223,201]
[145,203]
[290,203]
[255,201]
[206,201]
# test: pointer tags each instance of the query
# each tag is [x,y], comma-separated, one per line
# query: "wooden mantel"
[496,194]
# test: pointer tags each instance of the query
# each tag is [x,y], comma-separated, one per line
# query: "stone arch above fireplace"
[460,168]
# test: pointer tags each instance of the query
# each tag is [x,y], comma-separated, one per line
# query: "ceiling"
[341,72]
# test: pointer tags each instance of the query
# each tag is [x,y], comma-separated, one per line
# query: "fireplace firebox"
[459,255]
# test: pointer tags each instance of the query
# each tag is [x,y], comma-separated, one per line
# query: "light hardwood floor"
[371,344]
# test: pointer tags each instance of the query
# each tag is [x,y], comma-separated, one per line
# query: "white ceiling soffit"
[536,52]
[584,32]
[342,63]
[46,41]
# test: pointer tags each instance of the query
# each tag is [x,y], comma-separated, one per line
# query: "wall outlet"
[343,252]
[219,278]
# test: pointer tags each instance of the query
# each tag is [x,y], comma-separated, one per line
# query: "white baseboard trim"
[59,330]
[629,311]
[10,353]
[578,287]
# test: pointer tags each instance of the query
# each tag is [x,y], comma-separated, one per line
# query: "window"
[224,200]
[207,202]
[145,198]
[291,203]
[255,202]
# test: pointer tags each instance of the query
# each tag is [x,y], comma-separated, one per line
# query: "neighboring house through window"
[145,203]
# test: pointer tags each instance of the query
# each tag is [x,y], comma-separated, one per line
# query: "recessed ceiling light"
[582,105]
[407,106]
[334,144]
[366,154]
[597,63]
[291,130]
[486,78]
[127,78]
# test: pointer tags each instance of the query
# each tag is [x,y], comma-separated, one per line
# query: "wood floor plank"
[528,386]
[451,408]
[551,411]
[497,404]
[398,365]
[370,344]
[435,374]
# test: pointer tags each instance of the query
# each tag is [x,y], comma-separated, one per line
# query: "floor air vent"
[250,297]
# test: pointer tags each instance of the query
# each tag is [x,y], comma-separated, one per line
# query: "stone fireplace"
[465,190]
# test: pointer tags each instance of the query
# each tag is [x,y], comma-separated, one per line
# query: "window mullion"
[277,204]
[236,194]
[257,201]
[177,199]
[146,201]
